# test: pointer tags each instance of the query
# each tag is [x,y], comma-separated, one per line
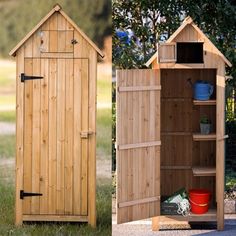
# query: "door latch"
[85,134]
[26,77]
[74,41]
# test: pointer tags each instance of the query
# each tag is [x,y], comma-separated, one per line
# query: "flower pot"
[205,128]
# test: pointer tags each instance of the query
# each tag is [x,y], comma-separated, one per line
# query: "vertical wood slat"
[69,128]
[61,22]
[84,143]
[220,149]
[45,41]
[53,22]
[19,135]
[60,136]
[53,41]
[135,178]
[61,41]
[44,157]
[28,113]
[77,139]
[52,137]
[35,137]
[92,73]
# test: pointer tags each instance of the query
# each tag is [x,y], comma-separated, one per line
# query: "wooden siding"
[138,166]
[53,157]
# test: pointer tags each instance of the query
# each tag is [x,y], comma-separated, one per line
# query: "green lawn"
[104,133]
[104,91]
[7,74]
[7,146]
[8,116]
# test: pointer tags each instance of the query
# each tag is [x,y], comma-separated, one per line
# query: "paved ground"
[143,228]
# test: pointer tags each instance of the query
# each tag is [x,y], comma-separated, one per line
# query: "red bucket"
[199,200]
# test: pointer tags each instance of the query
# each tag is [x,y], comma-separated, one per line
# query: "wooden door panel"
[138,144]
[28,113]
[44,138]
[55,148]
[56,41]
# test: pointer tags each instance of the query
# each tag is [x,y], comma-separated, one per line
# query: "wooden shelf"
[209,216]
[204,171]
[204,137]
[206,103]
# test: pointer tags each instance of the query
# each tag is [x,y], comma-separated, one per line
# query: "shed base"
[63,218]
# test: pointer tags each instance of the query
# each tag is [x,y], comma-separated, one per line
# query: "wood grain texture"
[52,137]
[60,208]
[44,140]
[69,139]
[19,135]
[135,179]
[92,68]
[36,128]
[58,162]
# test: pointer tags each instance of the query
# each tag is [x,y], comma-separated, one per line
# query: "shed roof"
[189,21]
[56,8]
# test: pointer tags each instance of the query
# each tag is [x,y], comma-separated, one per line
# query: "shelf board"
[204,171]
[206,103]
[204,137]
[208,216]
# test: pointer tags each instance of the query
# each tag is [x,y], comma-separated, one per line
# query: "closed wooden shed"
[159,145]
[56,122]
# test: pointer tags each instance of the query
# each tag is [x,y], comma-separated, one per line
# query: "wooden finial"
[57,7]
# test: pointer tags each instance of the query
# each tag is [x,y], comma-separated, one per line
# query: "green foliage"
[104,133]
[7,146]
[8,116]
[150,21]
[154,21]
[19,17]
[204,120]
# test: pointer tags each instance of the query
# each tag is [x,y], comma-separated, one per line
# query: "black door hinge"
[25,194]
[24,77]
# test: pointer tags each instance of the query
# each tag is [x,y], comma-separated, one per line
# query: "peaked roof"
[56,8]
[189,21]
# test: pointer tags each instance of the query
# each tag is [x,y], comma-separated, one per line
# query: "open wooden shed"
[159,147]
[56,122]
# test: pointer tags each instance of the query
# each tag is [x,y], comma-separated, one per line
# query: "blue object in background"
[203,90]
[123,36]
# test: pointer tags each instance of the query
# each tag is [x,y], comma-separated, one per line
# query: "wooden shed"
[56,122]
[159,147]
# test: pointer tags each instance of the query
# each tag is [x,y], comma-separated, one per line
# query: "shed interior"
[188,159]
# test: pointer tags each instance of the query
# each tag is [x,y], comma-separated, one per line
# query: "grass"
[7,74]
[8,116]
[7,146]
[104,91]
[104,132]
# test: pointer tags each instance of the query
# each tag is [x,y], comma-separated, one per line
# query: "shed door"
[56,137]
[138,144]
